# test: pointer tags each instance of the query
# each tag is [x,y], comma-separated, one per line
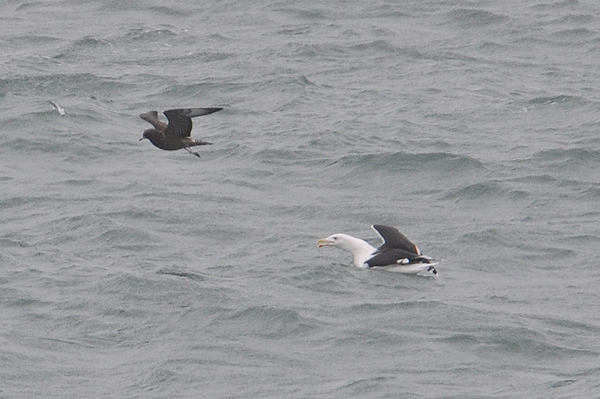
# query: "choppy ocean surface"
[131,272]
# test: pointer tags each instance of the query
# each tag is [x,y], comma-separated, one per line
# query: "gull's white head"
[361,250]
[339,240]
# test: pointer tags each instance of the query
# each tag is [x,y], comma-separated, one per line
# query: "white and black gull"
[397,253]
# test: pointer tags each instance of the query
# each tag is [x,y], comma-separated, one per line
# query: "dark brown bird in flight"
[177,134]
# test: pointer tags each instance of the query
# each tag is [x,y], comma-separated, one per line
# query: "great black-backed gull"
[177,134]
[397,253]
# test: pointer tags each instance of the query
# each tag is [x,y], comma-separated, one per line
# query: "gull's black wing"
[393,239]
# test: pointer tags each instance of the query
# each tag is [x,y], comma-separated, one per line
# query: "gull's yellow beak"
[324,242]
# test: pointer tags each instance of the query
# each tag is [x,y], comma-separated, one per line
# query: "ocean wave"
[558,99]
[522,341]
[485,190]
[267,321]
[575,36]
[475,18]
[569,156]
[61,85]
[402,161]
[194,276]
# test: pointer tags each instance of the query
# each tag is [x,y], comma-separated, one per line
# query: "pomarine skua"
[177,133]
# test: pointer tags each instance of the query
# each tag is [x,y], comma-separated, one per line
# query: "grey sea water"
[127,271]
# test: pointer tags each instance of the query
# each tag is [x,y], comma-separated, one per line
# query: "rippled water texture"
[127,271]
